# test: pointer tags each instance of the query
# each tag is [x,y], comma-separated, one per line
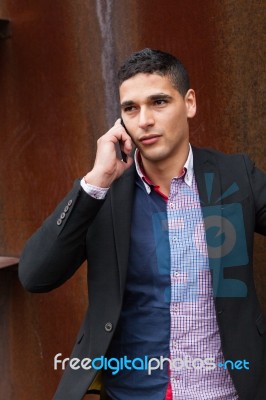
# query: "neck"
[162,172]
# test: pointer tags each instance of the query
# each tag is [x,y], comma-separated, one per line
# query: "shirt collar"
[188,168]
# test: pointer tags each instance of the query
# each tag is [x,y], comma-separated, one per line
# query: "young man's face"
[156,116]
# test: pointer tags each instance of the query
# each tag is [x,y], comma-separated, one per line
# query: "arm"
[58,248]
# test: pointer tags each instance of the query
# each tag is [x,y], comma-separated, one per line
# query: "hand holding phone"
[112,156]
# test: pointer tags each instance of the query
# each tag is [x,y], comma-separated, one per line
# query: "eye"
[129,109]
[160,102]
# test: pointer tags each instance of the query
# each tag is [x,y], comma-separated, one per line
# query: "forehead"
[142,86]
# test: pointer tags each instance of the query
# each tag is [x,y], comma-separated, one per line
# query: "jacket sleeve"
[258,185]
[58,247]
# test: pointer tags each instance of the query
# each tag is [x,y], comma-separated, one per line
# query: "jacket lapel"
[209,185]
[122,197]
[207,176]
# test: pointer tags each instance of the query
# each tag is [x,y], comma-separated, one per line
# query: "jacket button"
[62,216]
[70,203]
[59,222]
[66,209]
[108,327]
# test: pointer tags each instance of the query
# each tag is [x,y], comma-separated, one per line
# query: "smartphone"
[124,126]
[123,155]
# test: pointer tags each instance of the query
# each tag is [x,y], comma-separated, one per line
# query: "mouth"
[149,139]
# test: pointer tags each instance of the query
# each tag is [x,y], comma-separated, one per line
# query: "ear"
[190,100]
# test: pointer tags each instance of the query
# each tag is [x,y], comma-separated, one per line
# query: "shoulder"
[221,159]
[213,153]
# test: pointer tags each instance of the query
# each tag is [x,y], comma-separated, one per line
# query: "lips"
[149,139]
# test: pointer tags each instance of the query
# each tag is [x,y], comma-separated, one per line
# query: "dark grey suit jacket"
[231,188]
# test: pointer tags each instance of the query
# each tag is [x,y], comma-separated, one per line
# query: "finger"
[126,142]
[128,145]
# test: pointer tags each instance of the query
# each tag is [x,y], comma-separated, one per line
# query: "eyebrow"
[153,97]
[127,103]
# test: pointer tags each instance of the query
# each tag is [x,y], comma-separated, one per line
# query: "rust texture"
[58,95]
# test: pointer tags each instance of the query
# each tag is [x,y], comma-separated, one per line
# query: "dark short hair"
[149,61]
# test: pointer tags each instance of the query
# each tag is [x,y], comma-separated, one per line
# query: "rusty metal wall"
[57,96]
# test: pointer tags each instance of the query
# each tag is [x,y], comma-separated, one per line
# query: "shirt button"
[175,378]
[108,327]
[171,205]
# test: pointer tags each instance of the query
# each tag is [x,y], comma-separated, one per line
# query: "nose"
[146,118]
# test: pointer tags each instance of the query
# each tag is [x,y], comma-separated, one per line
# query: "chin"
[154,156]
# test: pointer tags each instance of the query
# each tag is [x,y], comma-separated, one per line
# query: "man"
[168,238]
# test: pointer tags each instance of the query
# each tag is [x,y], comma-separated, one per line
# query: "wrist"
[98,180]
